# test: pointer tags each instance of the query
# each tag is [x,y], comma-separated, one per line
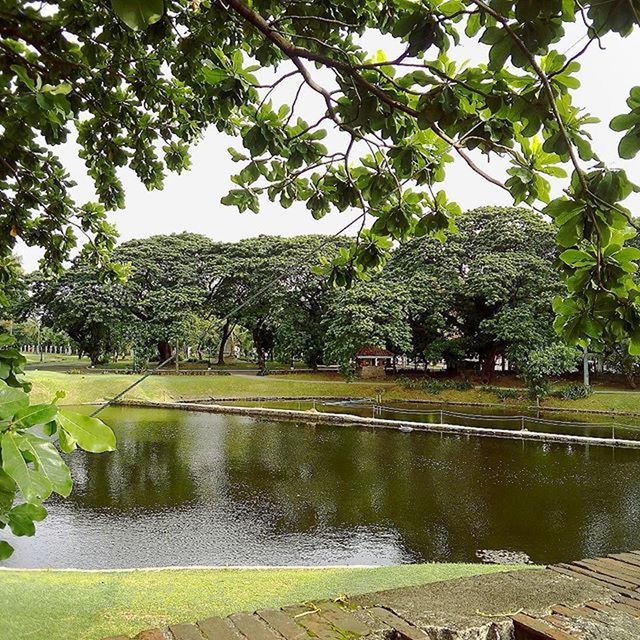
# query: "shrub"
[576,392]
[348,372]
[431,385]
[506,394]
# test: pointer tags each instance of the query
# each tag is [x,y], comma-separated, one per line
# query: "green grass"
[94,387]
[97,387]
[72,605]
[55,358]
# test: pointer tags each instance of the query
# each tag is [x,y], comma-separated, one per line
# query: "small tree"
[552,360]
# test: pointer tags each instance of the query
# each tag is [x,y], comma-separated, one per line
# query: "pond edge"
[290,415]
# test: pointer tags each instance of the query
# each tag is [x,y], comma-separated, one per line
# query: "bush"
[348,372]
[431,385]
[505,394]
[575,392]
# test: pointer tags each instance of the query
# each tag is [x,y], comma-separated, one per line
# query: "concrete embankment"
[401,425]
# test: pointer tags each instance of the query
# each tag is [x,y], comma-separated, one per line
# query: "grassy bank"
[82,388]
[97,387]
[71,605]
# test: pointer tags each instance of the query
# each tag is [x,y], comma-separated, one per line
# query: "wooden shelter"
[371,362]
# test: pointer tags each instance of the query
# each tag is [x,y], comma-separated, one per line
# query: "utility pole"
[585,367]
[39,343]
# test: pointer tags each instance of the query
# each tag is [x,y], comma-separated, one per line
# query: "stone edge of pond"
[400,425]
[434,401]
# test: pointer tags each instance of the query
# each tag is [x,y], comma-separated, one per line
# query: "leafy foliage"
[138,81]
[486,291]
[540,364]
[368,314]
[31,466]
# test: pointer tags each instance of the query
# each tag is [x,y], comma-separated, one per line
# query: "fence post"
[521,423]
[441,416]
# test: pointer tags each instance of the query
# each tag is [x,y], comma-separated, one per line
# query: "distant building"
[371,362]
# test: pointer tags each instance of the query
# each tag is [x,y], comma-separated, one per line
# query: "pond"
[188,488]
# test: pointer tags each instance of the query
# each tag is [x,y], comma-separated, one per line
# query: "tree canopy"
[486,292]
[137,81]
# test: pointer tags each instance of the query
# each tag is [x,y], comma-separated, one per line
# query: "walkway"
[585,600]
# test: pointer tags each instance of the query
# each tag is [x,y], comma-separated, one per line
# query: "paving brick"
[185,632]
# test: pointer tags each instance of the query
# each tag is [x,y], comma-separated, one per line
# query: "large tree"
[268,285]
[78,302]
[170,279]
[487,290]
[369,314]
[136,81]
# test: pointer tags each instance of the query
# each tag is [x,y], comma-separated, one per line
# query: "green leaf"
[624,121]
[213,75]
[138,14]
[12,400]
[7,491]
[15,466]
[575,256]
[6,339]
[90,433]
[6,550]
[627,254]
[36,414]
[22,517]
[67,443]
[634,345]
[630,144]
[48,463]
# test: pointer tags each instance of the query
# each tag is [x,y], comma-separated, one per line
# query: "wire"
[235,310]
[135,384]
[522,419]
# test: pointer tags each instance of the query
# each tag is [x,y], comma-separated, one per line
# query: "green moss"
[72,605]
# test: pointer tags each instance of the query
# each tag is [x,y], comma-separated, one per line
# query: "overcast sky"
[191,201]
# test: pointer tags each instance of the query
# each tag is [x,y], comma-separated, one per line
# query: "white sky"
[191,201]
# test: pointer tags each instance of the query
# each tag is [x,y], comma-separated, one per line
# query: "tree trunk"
[488,364]
[630,376]
[585,368]
[313,359]
[226,332]
[258,343]
[262,360]
[164,350]
[94,357]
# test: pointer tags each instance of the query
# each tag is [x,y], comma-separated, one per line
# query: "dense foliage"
[485,293]
[136,82]
[186,289]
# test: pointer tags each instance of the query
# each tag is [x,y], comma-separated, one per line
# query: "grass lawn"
[72,605]
[94,387]
[97,387]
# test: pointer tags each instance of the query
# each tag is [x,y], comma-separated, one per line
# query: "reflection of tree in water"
[151,469]
[446,496]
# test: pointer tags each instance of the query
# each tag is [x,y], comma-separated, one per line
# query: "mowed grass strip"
[75,605]
[94,387]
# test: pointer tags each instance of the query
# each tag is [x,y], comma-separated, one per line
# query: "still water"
[194,488]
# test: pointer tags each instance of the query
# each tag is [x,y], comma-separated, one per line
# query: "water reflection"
[187,488]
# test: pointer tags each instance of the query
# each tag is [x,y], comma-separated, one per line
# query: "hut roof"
[369,351]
